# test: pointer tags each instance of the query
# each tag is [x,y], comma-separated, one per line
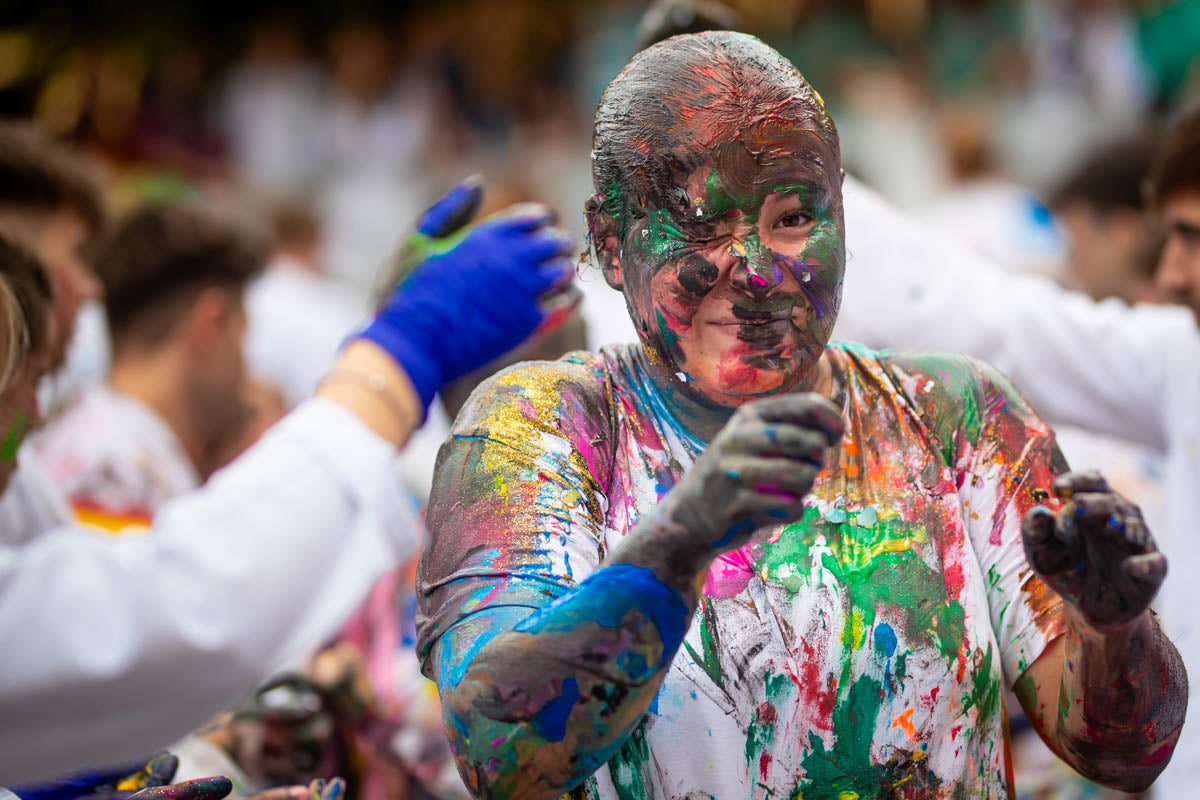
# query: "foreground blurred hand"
[151,781]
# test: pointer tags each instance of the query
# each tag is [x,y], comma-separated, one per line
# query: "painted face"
[1179,267]
[734,280]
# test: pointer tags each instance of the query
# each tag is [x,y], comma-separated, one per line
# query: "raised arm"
[541,689]
[1109,696]
[1102,366]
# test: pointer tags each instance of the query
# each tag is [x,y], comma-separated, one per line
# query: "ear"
[603,231]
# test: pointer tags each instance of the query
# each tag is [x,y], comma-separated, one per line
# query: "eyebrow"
[1184,227]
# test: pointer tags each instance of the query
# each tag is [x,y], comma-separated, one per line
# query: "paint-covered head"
[718,213]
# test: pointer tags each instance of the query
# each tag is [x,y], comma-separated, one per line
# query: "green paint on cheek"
[661,238]
[12,440]
[669,336]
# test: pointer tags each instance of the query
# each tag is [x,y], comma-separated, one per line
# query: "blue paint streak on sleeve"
[607,596]
[551,720]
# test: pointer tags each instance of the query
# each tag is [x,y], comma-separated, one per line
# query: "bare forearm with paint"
[1121,700]
[536,702]
[1111,694]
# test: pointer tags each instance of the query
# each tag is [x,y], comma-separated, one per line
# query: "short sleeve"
[516,515]
[1006,460]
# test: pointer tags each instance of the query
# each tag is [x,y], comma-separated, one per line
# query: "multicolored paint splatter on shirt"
[861,652]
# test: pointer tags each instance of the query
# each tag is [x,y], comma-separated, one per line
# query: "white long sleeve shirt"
[1133,373]
[114,647]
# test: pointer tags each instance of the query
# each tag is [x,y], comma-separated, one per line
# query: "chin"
[741,381]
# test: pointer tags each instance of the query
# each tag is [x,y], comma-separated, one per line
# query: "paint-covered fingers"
[1096,552]
[1070,484]
[1046,551]
[1149,569]
[453,210]
[317,790]
[777,440]
[1110,519]
[200,789]
[809,411]
[780,478]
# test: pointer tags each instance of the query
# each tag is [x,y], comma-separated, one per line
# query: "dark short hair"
[1176,164]
[29,301]
[1109,178]
[39,174]
[161,255]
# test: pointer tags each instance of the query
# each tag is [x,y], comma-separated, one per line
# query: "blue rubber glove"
[158,771]
[468,296]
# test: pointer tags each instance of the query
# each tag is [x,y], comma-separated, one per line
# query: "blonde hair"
[25,310]
[14,336]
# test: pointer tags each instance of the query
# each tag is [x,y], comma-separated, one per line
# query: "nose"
[754,269]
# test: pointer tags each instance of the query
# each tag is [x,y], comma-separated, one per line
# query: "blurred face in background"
[1179,267]
[1105,252]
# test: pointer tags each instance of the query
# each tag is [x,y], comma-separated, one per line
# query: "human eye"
[794,219]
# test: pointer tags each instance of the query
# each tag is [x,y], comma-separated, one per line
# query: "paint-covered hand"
[755,473]
[106,783]
[214,788]
[333,789]
[1096,551]
[475,294]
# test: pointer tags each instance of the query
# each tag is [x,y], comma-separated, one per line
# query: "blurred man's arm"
[1102,366]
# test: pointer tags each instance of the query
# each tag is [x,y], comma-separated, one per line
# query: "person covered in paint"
[736,559]
[152,635]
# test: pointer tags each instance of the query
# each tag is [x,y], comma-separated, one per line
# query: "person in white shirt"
[297,316]
[115,646]
[1132,373]
[174,276]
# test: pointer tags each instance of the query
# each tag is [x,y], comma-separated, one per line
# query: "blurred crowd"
[278,153]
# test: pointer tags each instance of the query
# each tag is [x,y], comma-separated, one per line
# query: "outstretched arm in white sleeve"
[1102,366]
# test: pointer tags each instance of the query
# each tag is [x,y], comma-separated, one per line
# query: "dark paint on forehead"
[717,98]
